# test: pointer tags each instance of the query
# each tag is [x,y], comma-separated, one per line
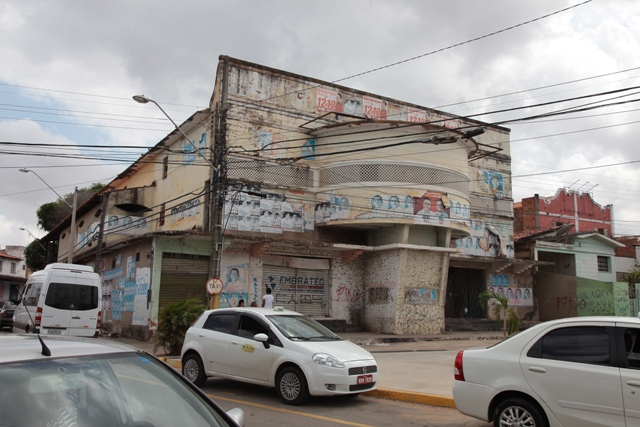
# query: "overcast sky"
[69,69]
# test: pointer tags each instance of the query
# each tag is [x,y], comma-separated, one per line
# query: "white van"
[63,299]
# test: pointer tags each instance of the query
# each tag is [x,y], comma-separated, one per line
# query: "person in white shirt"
[267,300]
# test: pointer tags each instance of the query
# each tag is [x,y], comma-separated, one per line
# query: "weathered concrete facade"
[348,205]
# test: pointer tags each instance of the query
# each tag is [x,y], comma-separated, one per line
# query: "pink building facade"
[565,207]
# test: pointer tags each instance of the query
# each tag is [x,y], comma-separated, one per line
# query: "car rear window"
[220,322]
[583,344]
[68,296]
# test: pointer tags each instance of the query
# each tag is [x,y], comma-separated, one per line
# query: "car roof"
[585,319]
[23,347]
[277,311]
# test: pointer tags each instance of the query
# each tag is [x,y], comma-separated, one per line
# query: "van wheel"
[193,369]
[518,412]
[291,386]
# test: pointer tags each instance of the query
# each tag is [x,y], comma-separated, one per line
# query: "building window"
[165,167]
[0,265]
[13,268]
[603,263]
[161,218]
[137,256]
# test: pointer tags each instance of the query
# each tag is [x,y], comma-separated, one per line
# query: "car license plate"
[54,331]
[365,379]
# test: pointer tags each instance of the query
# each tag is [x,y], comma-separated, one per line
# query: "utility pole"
[218,180]
[105,200]
[72,233]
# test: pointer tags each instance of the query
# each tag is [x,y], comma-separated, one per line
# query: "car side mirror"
[263,338]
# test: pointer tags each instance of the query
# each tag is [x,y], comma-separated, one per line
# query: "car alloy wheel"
[193,370]
[292,386]
[518,413]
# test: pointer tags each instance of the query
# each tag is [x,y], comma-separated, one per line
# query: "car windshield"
[302,328]
[120,390]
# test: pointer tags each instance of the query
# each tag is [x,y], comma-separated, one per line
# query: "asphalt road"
[263,408]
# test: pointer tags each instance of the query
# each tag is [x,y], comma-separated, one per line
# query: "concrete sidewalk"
[415,369]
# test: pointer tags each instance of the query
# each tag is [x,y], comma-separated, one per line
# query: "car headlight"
[327,360]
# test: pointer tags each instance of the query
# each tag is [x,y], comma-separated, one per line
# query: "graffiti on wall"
[190,150]
[596,302]
[621,299]
[308,149]
[491,183]
[379,295]
[271,144]
[129,225]
[420,296]
[347,294]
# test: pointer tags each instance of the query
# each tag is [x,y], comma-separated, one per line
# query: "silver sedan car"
[67,382]
[581,371]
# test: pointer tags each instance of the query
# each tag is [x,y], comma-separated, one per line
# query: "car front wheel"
[193,370]
[518,413]
[291,386]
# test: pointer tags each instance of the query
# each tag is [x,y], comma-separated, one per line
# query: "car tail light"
[99,323]
[458,372]
[38,317]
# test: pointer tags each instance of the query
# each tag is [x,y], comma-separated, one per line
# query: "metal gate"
[183,277]
[463,287]
[303,290]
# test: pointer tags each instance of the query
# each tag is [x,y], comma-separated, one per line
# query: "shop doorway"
[463,287]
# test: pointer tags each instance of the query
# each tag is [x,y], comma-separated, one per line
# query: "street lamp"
[72,236]
[216,204]
[25,170]
[143,100]
[34,238]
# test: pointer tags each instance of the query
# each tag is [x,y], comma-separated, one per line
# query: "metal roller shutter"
[302,290]
[183,277]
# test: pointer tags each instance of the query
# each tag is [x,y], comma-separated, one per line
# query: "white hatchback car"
[582,371]
[276,347]
[97,383]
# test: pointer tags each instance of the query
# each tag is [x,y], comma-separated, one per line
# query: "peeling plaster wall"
[420,308]
[382,280]
[348,290]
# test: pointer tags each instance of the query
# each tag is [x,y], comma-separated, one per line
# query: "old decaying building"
[564,207]
[351,207]
[12,272]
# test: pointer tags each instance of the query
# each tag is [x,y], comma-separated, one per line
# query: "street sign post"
[214,287]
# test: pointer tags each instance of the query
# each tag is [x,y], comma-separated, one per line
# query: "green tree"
[501,310]
[173,321]
[35,256]
[50,215]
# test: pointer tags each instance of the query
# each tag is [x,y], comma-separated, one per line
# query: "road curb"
[383,393]
[412,397]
